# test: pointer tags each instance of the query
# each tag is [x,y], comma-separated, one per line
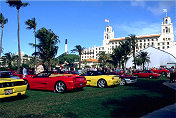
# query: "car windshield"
[6,75]
[43,74]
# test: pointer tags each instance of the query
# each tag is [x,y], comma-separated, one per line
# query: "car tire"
[27,83]
[164,73]
[60,87]
[101,83]
[151,77]
[122,82]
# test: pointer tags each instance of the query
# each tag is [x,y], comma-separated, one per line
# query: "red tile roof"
[138,37]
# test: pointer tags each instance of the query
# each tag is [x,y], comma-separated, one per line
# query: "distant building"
[162,41]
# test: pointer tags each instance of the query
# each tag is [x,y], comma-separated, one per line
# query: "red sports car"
[54,82]
[161,71]
[147,74]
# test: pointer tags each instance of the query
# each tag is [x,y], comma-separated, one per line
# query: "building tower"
[167,27]
[108,34]
[65,46]
[167,33]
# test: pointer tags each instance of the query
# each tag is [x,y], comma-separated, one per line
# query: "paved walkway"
[166,112]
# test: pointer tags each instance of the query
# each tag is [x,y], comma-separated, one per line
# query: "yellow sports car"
[12,87]
[95,78]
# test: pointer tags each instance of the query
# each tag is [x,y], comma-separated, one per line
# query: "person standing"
[40,68]
[24,72]
[172,74]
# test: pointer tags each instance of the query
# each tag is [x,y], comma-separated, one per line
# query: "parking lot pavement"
[166,112]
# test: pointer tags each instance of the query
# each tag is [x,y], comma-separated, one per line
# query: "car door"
[40,81]
[143,74]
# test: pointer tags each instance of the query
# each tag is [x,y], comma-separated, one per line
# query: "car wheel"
[151,77]
[164,73]
[122,82]
[101,83]
[60,87]
[26,82]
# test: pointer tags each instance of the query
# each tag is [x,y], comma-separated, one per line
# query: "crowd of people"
[130,71]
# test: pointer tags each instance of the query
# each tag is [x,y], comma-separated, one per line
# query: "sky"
[82,22]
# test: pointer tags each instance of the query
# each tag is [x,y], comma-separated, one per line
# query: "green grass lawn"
[121,101]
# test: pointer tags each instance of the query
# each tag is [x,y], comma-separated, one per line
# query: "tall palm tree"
[132,38]
[32,24]
[2,22]
[79,49]
[18,4]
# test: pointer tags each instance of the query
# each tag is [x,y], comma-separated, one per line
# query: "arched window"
[166,29]
[166,21]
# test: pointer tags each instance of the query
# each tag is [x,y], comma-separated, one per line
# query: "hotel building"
[162,41]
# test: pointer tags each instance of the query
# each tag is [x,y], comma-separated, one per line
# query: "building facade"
[162,41]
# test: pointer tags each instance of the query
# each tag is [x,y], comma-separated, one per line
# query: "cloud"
[138,3]
[138,28]
[155,7]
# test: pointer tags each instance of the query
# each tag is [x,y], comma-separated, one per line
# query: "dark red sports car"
[54,82]
[147,74]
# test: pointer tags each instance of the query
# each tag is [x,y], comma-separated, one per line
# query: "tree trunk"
[80,61]
[19,51]
[1,41]
[35,51]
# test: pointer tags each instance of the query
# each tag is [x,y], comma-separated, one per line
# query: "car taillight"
[1,85]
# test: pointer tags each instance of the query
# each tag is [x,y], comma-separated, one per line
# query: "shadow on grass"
[138,105]
[14,98]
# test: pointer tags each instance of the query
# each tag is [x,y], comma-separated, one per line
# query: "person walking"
[172,74]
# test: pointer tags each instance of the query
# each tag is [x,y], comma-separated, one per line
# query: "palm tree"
[18,4]
[31,23]
[103,58]
[79,49]
[132,39]
[2,22]
[9,58]
[125,49]
[47,45]
[116,57]
[144,58]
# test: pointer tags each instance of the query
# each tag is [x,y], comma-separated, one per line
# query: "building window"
[169,39]
[163,47]
[140,40]
[148,39]
[158,47]
[158,43]
[167,43]
[144,40]
[156,39]
[163,43]
[152,40]
[163,39]
[167,46]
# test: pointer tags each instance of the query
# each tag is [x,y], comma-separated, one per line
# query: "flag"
[106,20]
[164,10]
